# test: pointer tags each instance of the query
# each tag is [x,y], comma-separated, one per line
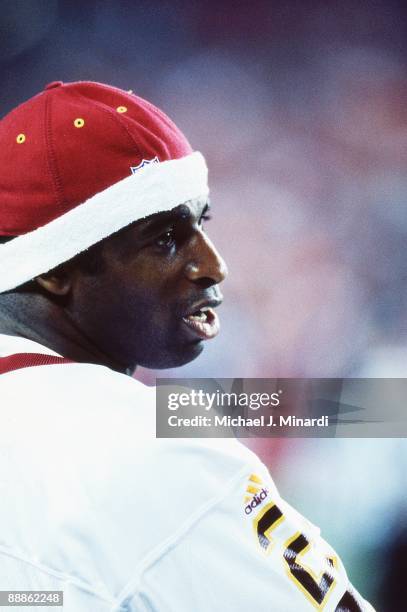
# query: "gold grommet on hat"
[121,109]
[20,138]
[78,123]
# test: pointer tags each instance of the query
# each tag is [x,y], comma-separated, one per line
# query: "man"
[105,265]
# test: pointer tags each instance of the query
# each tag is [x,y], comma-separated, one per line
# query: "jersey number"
[316,588]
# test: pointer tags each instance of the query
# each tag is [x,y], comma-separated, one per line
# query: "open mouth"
[204,323]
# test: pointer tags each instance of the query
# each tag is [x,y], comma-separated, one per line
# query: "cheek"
[152,292]
[136,301]
[138,305]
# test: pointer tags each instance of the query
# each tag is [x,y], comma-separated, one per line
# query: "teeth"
[200,316]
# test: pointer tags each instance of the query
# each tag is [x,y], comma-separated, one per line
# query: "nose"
[205,266]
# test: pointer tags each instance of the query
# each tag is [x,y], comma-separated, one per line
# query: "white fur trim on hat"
[152,189]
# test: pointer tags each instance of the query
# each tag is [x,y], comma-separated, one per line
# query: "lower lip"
[205,330]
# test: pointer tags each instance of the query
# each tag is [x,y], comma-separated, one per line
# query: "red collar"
[28,360]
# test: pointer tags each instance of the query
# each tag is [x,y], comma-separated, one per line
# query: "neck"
[36,318]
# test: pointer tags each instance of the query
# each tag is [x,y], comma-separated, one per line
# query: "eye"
[167,239]
[205,217]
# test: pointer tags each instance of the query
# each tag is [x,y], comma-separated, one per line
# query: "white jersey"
[92,504]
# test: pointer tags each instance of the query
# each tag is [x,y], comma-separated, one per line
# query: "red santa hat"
[80,161]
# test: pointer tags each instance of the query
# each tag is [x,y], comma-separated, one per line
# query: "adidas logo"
[258,495]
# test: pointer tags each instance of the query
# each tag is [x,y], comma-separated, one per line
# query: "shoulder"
[105,423]
[81,443]
[71,386]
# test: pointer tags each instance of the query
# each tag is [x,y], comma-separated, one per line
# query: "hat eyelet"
[121,109]
[79,122]
[20,138]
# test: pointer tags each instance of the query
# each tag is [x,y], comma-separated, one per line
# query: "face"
[153,302]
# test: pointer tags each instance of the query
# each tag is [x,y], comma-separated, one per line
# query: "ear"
[57,284]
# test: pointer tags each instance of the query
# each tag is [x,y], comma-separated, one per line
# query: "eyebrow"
[163,219]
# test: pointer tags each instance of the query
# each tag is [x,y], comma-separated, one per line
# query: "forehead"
[190,210]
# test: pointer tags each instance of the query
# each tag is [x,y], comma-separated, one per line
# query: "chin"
[173,358]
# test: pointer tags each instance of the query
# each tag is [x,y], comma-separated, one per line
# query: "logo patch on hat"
[144,162]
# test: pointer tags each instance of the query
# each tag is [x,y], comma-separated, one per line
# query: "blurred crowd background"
[300,108]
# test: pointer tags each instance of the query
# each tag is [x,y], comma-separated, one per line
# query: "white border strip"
[152,189]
